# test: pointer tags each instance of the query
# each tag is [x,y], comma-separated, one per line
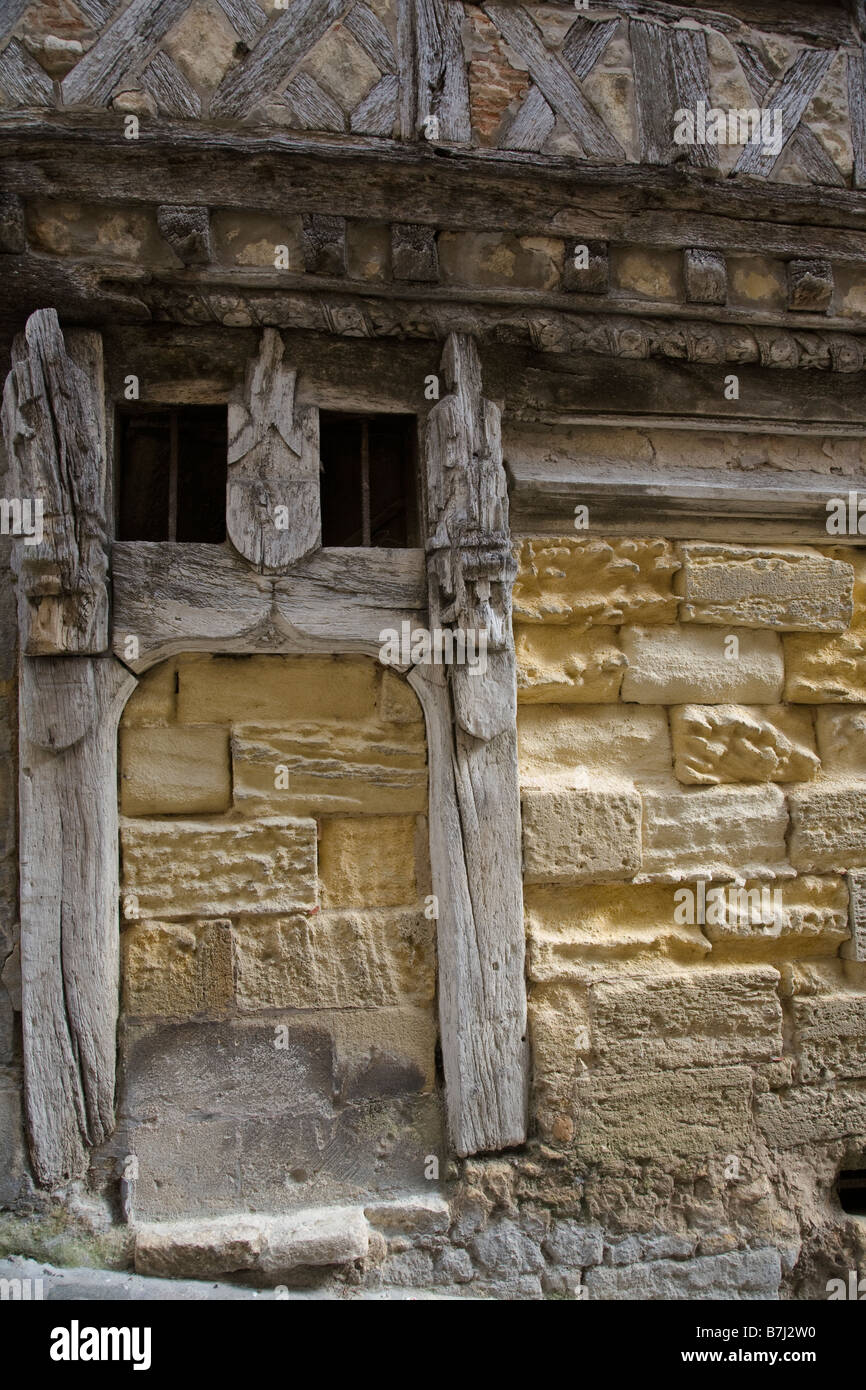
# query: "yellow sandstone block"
[831,669]
[565,665]
[153,700]
[170,969]
[174,770]
[337,960]
[591,582]
[368,861]
[275,689]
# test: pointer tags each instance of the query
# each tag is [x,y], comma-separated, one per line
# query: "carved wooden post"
[273,511]
[474,794]
[69,700]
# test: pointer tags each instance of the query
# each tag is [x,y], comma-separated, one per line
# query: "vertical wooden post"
[474,794]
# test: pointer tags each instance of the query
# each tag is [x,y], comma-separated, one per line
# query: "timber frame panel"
[282,594]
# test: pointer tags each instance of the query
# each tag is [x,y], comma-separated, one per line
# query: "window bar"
[365,483]
[172,477]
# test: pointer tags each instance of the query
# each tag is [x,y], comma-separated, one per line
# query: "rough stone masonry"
[323,974]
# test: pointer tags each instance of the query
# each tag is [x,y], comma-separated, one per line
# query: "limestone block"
[202,43]
[569,742]
[744,1275]
[398,703]
[321,767]
[829,1035]
[368,861]
[424,1215]
[384,1051]
[581,834]
[569,928]
[693,1018]
[153,700]
[205,1249]
[174,771]
[841,734]
[855,948]
[828,826]
[573,1245]
[563,665]
[274,689]
[169,968]
[589,582]
[714,832]
[732,743]
[815,1114]
[826,669]
[559,1033]
[812,921]
[181,868]
[790,588]
[659,1116]
[504,1249]
[335,960]
[676,665]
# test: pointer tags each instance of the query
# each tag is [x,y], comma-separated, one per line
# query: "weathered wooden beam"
[441,83]
[278,49]
[474,792]
[171,598]
[54,428]
[758,506]
[68,713]
[671,71]
[789,97]
[273,512]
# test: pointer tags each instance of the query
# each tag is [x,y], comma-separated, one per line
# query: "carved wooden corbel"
[55,436]
[474,794]
[273,512]
[69,702]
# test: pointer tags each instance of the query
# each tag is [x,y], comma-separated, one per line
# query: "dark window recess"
[368,480]
[851,1187]
[172,477]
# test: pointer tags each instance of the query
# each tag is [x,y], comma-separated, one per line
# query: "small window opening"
[172,475]
[851,1189]
[368,480]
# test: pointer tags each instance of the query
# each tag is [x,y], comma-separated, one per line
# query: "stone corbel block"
[706,276]
[594,276]
[413,252]
[324,244]
[187,231]
[810,285]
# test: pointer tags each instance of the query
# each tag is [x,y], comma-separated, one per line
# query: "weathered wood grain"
[533,121]
[474,792]
[857,112]
[814,159]
[247,18]
[555,81]
[670,73]
[273,514]
[22,79]
[442,86]
[292,34]
[585,42]
[373,37]
[175,598]
[169,88]
[54,429]
[377,113]
[68,895]
[311,105]
[790,95]
[124,46]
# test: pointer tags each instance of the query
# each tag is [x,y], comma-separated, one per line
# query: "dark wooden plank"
[292,34]
[169,88]
[790,95]
[373,37]
[585,42]
[670,73]
[123,47]
[555,81]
